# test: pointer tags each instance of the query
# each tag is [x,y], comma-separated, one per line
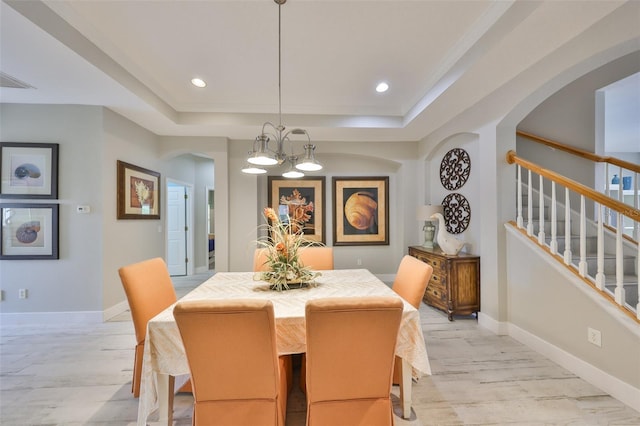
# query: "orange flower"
[270,214]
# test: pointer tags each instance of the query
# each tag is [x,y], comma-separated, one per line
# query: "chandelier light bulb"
[309,162]
[261,155]
[262,160]
[292,173]
[250,170]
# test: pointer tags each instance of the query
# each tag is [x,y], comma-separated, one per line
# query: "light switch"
[83,209]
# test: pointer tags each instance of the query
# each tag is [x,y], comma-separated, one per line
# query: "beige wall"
[74,282]
[248,195]
[558,310]
[84,282]
[126,241]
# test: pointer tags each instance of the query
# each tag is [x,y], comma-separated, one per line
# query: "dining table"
[165,367]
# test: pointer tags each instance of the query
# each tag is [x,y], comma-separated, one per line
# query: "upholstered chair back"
[260,260]
[410,283]
[317,258]
[149,290]
[236,375]
[411,280]
[350,351]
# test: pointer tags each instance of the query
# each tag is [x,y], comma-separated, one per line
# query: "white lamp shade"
[249,169]
[425,212]
[309,162]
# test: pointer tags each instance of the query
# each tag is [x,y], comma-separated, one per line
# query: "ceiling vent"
[8,81]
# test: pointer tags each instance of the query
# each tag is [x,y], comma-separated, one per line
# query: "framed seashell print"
[29,231]
[360,211]
[297,198]
[138,192]
[29,170]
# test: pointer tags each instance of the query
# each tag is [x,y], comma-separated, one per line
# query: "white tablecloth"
[164,353]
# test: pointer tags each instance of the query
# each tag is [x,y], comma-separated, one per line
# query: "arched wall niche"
[435,192]
[462,138]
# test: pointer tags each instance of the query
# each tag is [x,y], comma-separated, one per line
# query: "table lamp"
[424,213]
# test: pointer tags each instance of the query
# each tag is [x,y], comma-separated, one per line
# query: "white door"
[177,230]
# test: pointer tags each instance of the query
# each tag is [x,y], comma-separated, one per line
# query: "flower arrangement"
[285,237]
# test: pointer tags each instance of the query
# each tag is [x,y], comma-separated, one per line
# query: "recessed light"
[198,82]
[382,87]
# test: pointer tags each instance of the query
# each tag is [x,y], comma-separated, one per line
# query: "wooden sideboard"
[455,284]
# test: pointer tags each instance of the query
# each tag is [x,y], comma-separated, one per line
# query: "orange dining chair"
[260,260]
[237,376]
[350,350]
[410,283]
[411,280]
[149,290]
[260,265]
[317,258]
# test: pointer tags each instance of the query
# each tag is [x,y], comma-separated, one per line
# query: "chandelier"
[262,156]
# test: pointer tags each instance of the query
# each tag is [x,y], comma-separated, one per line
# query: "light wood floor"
[81,375]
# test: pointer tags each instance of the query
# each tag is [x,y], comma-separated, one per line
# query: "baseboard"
[615,387]
[51,318]
[115,310]
[497,327]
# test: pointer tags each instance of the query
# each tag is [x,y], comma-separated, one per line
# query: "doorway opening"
[211,229]
[179,228]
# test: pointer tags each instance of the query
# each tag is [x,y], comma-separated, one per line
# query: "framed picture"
[138,192]
[302,199]
[29,170]
[360,211]
[29,231]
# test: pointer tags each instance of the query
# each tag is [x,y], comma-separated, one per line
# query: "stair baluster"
[554,220]
[600,277]
[567,227]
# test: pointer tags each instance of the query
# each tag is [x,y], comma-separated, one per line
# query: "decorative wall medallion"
[457,213]
[455,168]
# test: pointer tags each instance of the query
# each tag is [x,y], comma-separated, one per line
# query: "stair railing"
[618,190]
[600,203]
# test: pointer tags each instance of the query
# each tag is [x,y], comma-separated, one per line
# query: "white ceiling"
[137,58]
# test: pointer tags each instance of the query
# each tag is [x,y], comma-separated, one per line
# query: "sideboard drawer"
[436,293]
[454,286]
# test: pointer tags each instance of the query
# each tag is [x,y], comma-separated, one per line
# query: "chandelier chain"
[261,155]
[280,64]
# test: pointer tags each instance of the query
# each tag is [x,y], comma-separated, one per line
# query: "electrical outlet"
[22,293]
[594,337]
[359,262]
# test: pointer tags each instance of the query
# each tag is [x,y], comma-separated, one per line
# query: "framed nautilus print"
[29,231]
[360,211]
[457,213]
[455,168]
[29,170]
[302,199]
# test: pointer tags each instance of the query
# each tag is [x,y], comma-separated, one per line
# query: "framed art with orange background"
[300,199]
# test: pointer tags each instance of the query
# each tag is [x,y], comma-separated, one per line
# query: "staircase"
[629,258]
